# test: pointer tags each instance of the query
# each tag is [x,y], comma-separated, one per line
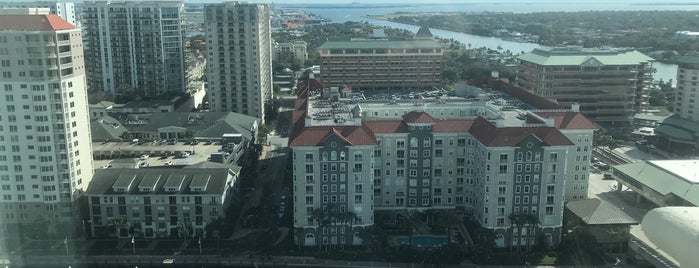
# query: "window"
[549,210]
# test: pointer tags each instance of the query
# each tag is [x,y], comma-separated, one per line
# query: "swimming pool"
[422,241]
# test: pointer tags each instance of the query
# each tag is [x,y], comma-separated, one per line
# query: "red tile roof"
[568,120]
[491,136]
[453,125]
[386,126]
[418,117]
[50,22]
[314,136]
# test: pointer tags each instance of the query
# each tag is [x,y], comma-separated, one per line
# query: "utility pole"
[200,245]
[133,244]
[65,243]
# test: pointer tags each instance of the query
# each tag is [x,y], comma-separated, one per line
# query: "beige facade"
[686,105]
[239,61]
[45,149]
[291,52]
[381,64]
[610,85]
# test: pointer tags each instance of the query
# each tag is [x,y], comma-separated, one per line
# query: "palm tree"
[412,217]
[519,221]
[184,230]
[532,222]
[118,223]
[322,220]
[349,217]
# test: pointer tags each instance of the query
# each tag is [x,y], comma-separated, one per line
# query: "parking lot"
[129,154]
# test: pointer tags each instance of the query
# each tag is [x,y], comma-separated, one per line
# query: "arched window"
[500,241]
[529,156]
[333,156]
[520,156]
[413,142]
[426,142]
[309,240]
[325,156]
[342,156]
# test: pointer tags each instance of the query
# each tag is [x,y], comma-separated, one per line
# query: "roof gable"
[418,117]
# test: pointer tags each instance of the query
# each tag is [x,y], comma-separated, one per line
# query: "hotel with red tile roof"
[373,160]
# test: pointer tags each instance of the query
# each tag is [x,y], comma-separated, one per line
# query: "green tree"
[126,135]
[412,218]
[117,224]
[184,230]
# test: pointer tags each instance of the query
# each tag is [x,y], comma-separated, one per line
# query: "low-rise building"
[662,182]
[607,224]
[155,202]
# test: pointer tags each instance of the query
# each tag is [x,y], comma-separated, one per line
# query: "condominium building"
[609,84]
[381,64]
[686,105]
[239,48]
[65,10]
[135,48]
[579,130]
[291,52]
[374,165]
[679,133]
[45,149]
[153,202]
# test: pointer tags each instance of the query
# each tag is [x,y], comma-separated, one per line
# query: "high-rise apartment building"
[65,10]
[291,52]
[680,133]
[239,49]
[135,47]
[45,143]
[609,84]
[377,162]
[686,97]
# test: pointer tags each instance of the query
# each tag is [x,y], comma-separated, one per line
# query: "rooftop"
[319,115]
[48,22]
[579,56]
[666,177]
[210,180]
[210,125]
[387,44]
[595,211]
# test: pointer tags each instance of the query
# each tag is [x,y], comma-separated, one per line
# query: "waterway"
[344,13]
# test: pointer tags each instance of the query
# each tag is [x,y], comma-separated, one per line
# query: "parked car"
[144,157]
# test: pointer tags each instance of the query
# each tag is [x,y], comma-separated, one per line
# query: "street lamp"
[133,244]
[199,245]
[65,242]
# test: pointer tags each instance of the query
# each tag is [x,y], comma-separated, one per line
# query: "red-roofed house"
[375,168]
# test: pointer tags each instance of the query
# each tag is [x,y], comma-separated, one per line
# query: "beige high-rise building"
[686,106]
[65,10]
[45,149]
[610,84]
[239,61]
[381,64]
